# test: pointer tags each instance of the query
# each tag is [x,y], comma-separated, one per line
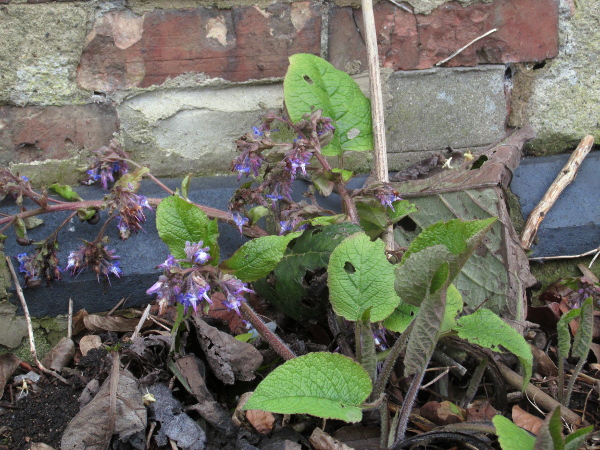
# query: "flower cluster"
[109,161]
[130,208]
[189,281]
[96,257]
[40,265]
[583,288]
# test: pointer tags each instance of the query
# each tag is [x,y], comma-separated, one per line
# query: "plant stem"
[407,407]
[574,375]
[274,341]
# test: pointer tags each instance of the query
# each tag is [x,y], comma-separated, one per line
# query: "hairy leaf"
[577,439]
[550,435]
[512,437]
[454,306]
[583,337]
[564,335]
[360,277]
[179,221]
[312,83]
[401,317]
[256,258]
[298,284]
[485,328]
[327,385]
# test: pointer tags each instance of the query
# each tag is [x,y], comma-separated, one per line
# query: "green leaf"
[577,439]
[131,180]
[327,220]
[425,333]
[20,228]
[564,335]
[550,435]
[360,277]
[32,222]
[346,174]
[179,221]
[323,184]
[312,83]
[454,306]
[486,329]
[512,437]
[66,192]
[401,318]
[454,234]
[185,185]
[327,385]
[257,213]
[402,208]
[298,285]
[256,258]
[583,337]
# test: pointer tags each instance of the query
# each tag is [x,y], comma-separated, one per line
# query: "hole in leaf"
[349,268]
[479,162]
[407,224]
[308,79]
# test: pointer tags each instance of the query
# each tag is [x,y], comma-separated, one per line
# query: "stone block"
[437,108]
[193,130]
[560,99]
[572,226]
[36,133]
[238,44]
[527,31]
[41,47]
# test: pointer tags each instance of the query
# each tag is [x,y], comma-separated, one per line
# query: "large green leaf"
[401,318]
[327,385]
[179,221]
[298,285]
[583,337]
[312,83]
[360,277]
[487,329]
[256,258]
[511,436]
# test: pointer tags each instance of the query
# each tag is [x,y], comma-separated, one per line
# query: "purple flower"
[131,211]
[256,131]
[169,263]
[96,257]
[387,197]
[196,253]
[234,285]
[240,220]
[24,178]
[234,303]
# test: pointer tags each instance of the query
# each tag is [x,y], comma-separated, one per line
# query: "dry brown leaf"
[8,364]
[94,322]
[444,413]
[545,365]
[89,342]
[322,441]
[221,312]
[60,355]
[78,325]
[228,358]
[480,410]
[525,420]
[262,421]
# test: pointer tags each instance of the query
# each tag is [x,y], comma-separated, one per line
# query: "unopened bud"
[94,219]
[24,241]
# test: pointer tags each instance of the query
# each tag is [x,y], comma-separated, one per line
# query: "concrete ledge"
[572,226]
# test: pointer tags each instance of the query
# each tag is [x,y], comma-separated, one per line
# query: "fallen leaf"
[60,355]
[94,322]
[358,436]
[228,358]
[219,311]
[8,364]
[174,423]
[545,365]
[78,325]
[192,370]
[525,420]
[480,410]
[40,446]
[89,342]
[89,428]
[322,441]
[444,413]
[262,421]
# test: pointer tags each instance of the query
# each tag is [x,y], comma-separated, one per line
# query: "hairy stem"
[273,340]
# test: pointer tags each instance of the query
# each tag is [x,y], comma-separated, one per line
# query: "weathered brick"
[238,44]
[527,31]
[56,132]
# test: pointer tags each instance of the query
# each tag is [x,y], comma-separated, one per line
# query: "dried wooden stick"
[70,320]
[581,255]
[32,349]
[377,111]
[541,398]
[563,179]
[141,322]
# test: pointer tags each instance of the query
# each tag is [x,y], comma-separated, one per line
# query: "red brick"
[527,32]
[37,133]
[238,44]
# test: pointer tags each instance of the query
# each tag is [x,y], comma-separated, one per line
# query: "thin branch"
[272,339]
[141,322]
[466,46]
[29,325]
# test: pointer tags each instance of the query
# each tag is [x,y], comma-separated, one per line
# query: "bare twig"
[117,306]
[141,322]
[29,326]
[466,46]
[70,320]
[563,179]
[581,255]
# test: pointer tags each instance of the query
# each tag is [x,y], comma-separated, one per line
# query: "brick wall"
[178,85]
